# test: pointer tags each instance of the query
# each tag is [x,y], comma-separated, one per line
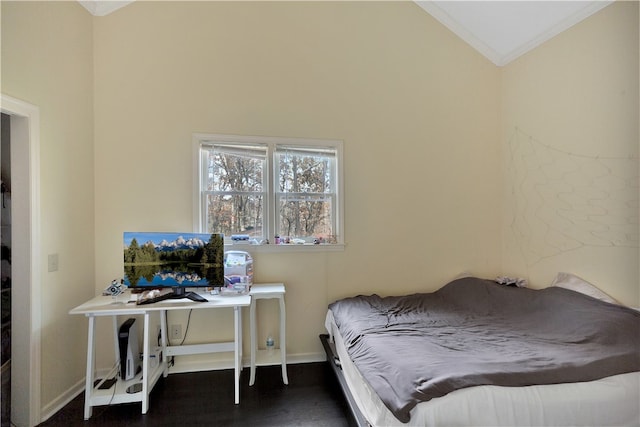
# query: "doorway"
[5,266]
[24,157]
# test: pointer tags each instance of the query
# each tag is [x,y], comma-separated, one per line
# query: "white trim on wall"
[550,22]
[26,301]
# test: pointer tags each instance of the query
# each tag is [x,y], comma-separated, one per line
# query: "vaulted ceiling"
[504,30]
[500,30]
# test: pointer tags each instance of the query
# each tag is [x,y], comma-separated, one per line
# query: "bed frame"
[334,362]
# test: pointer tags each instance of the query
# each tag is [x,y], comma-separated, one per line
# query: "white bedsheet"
[611,401]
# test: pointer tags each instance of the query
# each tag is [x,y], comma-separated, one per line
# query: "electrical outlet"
[176,332]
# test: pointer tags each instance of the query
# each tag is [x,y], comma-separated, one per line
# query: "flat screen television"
[155,260]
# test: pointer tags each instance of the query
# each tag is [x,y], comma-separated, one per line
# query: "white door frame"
[25,256]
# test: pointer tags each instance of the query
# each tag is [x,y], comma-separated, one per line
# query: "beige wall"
[570,137]
[432,131]
[47,60]
[416,107]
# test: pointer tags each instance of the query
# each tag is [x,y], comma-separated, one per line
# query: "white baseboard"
[62,400]
[198,366]
[306,358]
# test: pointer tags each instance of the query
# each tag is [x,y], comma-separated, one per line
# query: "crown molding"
[561,26]
[103,7]
[501,59]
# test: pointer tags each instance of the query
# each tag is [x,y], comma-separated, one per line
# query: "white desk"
[268,291]
[106,306]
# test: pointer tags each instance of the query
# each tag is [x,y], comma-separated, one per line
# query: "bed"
[476,352]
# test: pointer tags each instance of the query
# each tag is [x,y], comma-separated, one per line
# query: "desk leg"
[237,318]
[91,362]
[240,335]
[116,349]
[163,341]
[253,339]
[145,365]
[283,340]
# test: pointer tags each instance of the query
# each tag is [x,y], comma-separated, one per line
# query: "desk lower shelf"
[100,397]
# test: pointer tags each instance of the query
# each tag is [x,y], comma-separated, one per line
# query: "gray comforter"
[475,332]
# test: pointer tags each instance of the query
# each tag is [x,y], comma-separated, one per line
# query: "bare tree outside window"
[254,190]
[305,193]
[235,183]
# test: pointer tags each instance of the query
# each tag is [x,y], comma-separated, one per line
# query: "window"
[256,190]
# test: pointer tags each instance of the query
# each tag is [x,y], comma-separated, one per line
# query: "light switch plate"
[53,262]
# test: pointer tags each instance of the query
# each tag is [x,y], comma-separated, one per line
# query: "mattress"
[610,401]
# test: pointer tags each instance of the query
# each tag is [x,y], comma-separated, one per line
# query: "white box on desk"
[238,264]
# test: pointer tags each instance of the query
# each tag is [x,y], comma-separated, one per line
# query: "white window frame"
[201,140]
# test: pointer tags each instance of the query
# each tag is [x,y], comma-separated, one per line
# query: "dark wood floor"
[312,398]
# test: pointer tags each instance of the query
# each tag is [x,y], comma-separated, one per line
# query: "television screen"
[176,260]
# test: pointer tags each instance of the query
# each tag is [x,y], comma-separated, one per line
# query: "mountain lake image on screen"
[155,260]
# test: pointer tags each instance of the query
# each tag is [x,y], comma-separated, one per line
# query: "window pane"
[306,218]
[235,214]
[267,186]
[233,170]
[305,173]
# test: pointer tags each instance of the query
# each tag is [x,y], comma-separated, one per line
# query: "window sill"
[286,248]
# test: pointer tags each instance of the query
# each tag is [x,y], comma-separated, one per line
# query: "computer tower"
[129,349]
